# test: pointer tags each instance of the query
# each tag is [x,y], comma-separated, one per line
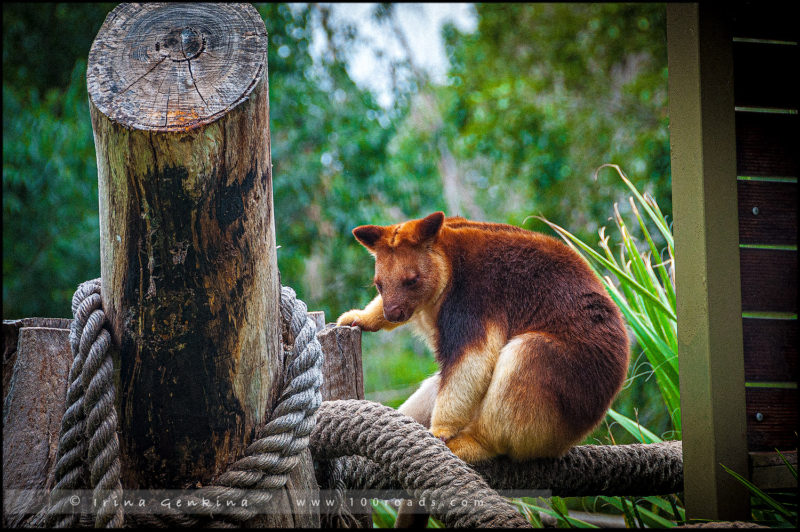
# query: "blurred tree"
[329,140]
[50,224]
[51,229]
[542,94]
[41,41]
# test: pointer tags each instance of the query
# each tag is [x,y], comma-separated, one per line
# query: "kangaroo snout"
[395,313]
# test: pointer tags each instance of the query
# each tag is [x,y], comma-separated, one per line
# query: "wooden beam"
[704,187]
[342,378]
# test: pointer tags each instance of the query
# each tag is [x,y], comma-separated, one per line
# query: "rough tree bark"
[180,112]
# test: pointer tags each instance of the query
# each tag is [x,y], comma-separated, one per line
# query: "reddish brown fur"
[473,277]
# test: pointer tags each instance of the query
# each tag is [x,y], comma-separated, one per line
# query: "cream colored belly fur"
[510,416]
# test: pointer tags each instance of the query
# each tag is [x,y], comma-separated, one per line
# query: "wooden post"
[36,363]
[709,304]
[180,111]
[342,378]
[343,375]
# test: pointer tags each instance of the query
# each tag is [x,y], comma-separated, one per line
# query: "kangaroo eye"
[378,285]
[411,282]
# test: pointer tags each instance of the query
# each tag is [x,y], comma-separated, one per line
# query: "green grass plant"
[777,510]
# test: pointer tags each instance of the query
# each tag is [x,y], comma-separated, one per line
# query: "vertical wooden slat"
[707,260]
[32,411]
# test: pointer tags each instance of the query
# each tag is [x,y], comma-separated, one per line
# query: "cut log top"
[169,67]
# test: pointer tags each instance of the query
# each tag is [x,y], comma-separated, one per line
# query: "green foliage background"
[536,98]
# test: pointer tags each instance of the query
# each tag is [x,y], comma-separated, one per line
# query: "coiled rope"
[417,461]
[348,428]
[90,415]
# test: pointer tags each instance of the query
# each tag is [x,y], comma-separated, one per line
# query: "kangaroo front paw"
[355,318]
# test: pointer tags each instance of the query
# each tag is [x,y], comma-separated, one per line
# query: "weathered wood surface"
[170,67]
[342,366]
[769,471]
[769,280]
[770,350]
[33,406]
[767,212]
[10,339]
[771,419]
[180,113]
[342,378]
[766,144]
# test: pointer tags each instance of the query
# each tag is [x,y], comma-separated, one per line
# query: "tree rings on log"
[169,67]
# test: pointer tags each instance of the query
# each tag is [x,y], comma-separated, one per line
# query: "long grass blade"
[659,220]
[761,495]
[792,470]
[635,429]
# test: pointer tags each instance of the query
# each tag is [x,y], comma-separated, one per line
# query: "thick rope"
[614,470]
[91,415]
[367,438]
[420,463]
[88,427]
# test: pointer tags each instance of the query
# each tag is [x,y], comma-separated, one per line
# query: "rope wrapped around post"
[91,415]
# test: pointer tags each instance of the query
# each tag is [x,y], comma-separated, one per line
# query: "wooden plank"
[764,20]
[703,162]
[769,472]
[766,144]
[11,330]
[770,350]
[343,377]
[32,413]
[769,280]
[771,419]
[767,212]
[760,74]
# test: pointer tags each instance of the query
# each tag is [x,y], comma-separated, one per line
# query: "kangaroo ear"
[429,226]
[368,235]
